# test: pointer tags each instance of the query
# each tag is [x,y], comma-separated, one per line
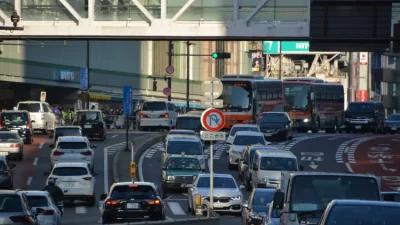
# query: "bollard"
[132,170]
[199,205]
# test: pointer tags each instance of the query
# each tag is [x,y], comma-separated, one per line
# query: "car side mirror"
[39,211]
[12,166]
[242,187]
[279,197]
[51,145]
[33,121]
[15,108]
[245,204]
[165,196]
[103,197]
[93,146]
[301,168]
[46,174]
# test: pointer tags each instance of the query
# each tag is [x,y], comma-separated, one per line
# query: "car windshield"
[315,192]
[14,119]
[297,97]
[154,106]
[188,147]
[236,96]
[236,129]
[182,132]
[219,182]
[394,117]
[84,117]
[188,123]
[5,137]
[38,201]
[133,191]
[183,164]
[248,140]
[70,171]
[30,107]
[72,145]
[10,203]
[67,132]
[359,107]
[280,164]
[364,215]
[261,199]
[273,118]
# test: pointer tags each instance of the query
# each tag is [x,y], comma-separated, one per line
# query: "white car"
[240,141]
[241,127]
[42,199]
[75,180]
[72,149]
[41,113]
[157,115]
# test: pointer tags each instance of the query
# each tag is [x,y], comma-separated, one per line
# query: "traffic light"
[154,84]
[221,55]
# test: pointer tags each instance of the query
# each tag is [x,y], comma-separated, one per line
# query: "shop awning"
[99,96]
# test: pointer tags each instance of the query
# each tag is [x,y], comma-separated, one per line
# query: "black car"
[6,174]
[91,122]
[133,201]
[365,116]
[255,210]
[392,124]
[276,126]
[18,120]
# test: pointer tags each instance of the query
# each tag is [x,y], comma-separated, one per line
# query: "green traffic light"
[215,55]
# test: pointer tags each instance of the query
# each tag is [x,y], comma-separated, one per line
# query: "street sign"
[212,120]
[271,47]
[170,70]
[212,136]
[218,103]
[212,83]
[84,79]
[128,95]
[288,47]
[166,91]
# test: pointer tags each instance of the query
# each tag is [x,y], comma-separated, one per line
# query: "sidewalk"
[122,159]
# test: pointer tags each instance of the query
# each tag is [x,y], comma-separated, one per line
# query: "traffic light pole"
[170,52]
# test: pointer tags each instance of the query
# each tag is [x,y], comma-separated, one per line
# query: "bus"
[247,96]
[314,104]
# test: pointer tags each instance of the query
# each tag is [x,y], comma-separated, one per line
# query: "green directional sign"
[294,47]
[271,47]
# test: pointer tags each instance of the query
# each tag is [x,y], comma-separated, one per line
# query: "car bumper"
[123,214]
[39,125]
[155,122]
[231,206]
[90,162]
[359,126]
[77,197]
[392,129]
[10,151]
[234,158]
[276,135]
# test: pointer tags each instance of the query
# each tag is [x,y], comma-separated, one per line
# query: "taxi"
[179,171]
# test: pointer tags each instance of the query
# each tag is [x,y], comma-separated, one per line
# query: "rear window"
[359,107]
[10,203]
[30,107]
[188,147]
[72,145]
[133,191]
[181,132]
[189,123]
[236,129]
[15,119]
[89,117]
[37,201]
[154,106]
[70,171]
[68,132]
[248,140]
[5,137]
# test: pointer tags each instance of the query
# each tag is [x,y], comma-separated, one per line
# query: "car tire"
[92,201]
[107,220]
[20,156]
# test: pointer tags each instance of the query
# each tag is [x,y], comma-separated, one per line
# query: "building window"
[395,89]
[390,89]
[384,88]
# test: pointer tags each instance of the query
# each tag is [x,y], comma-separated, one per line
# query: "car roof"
[71,164]
[15,111]
[10,192]
[182,131]
[244,125]
[180,137]
[248,133]
[365,203]
[72,138]
[37,193]
[216,175]
[276,153]
[264,147]
[139,183]
[68,127]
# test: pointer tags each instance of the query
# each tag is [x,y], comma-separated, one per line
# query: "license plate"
[3,153]
[268,134]
[218,205]
[69,184]
[358,127]
[87,126]
[132,205]
[394,128]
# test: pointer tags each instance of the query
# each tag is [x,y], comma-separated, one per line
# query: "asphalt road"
[316,152]
[29,174]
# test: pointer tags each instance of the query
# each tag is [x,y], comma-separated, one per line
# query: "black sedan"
[256,208]
[392,124]
[276,126]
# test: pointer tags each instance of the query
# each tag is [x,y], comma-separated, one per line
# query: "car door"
[252,172]
[172,113]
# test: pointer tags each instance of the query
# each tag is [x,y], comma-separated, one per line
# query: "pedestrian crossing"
[111,150]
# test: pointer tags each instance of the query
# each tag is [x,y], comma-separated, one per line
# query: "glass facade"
[125,10]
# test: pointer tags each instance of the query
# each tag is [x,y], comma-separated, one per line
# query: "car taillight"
[87,178]
[143,115]
[86,153]
[164,115]
[15,145]
[48,212]
[57,153]
[6,173]
[20,219]
[155,202]
[111,203]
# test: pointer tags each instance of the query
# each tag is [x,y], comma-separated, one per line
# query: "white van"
[157,115]
[267,165]
[41,114]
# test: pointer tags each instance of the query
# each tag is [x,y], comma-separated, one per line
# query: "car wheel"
[107,220]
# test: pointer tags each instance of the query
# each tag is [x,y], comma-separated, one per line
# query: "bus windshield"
[297,97]
[237,96]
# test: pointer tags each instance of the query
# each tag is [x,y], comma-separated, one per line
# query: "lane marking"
[105,156]
[349,167]
[346,149]
[80,210]
[35,161]
[41,145]
[29,181]
[175,208]
[140,164]
[114,136]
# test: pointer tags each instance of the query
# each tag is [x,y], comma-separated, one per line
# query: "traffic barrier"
[199,202]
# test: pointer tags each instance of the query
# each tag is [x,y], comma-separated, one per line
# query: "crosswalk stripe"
[176,208]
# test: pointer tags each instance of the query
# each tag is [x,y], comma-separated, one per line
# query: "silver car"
[42,199]
[227,194]
[11,144]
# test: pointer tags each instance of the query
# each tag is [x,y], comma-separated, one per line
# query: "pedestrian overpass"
[157,19]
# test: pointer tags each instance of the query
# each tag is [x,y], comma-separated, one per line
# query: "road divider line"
[114,136]
[176,209]
[140,164]
[35,161]
[29,181]
[105,169]
[41,145]
[349,167]
[80,210]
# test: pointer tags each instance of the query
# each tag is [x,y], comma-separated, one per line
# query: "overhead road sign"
[212,136]
[212,88]
[290,47]
[170,70]
[167,91]
[212,120]
[84,79]
[217,103]
[128,95]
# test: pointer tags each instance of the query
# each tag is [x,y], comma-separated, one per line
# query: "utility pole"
[188,44]
[88,71]
[280,60]
[170,53]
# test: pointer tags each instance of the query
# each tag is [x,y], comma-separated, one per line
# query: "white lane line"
[140,164]
[149,156]
[41,145]
[346,149]
[80,210]
[175,208]
[29,181]
[349,168]
[100,220]
[105,169]
[114,136]
[35,161]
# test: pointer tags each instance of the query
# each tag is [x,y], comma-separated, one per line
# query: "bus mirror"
[312,96]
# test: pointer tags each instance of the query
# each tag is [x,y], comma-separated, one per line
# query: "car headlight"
[236,198]
[306,120]
[171,178]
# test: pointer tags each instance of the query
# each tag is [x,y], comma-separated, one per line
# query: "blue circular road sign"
[170,70]
[167,91]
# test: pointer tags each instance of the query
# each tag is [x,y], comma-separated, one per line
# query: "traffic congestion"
[291,154]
